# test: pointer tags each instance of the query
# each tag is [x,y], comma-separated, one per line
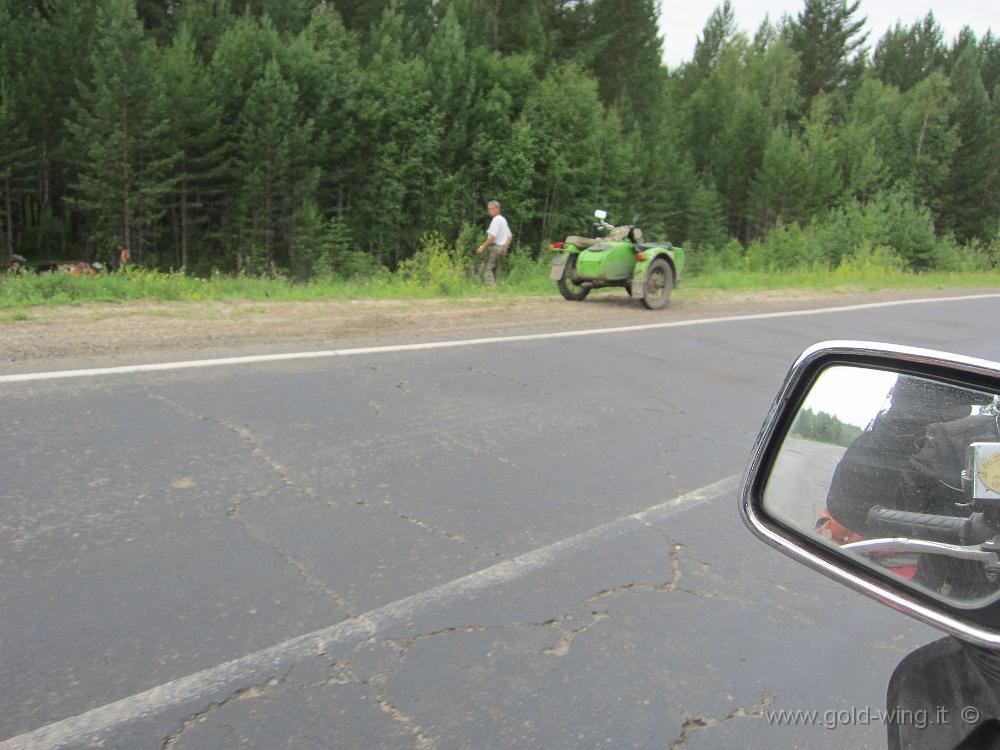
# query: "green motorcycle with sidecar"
[647,271]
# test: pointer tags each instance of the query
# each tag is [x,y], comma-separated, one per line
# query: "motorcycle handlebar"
[951,529]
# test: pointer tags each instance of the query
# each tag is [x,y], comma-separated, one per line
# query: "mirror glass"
[601,214]
[900,472]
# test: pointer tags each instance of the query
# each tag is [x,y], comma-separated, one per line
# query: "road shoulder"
[106,335]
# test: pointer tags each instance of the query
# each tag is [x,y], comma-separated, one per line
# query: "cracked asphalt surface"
[388,506]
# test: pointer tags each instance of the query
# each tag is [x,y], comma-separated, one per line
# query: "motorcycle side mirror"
[601,214]
[879,466]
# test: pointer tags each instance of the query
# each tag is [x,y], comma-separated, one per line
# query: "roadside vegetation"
[879,245]
[441,275]
[305,149]
[821,427]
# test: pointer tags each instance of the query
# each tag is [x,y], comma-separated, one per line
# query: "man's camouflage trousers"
[491,268]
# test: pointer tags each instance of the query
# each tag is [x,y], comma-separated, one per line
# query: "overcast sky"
[852,394]
[681,22]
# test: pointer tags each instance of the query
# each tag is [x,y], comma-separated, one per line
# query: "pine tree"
[612,184]
[452,72]
[511,171]
[13,135]
[772,73]
[399,161]
[337,74]
[240,59]
[290,16]
[666,181]
[829,42]
[194,135]
[158,17]
[47,48]
[392,35]
[567,149]
[706,225]
[780,186]
[502,145]
[924,141]
[503,26]
[309,242]
[124,172]
[276,153]
[719,32]
[16,152]
[993,199]
[989,61]
[865,128]
[518,28]
[363,15]
[965,40]
[824,184]
[206,21]
[15,160]
[566,24]
[727,129]
[627,57]
[969,185]
[905,56]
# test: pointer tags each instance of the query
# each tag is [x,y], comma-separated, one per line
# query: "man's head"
[493,207]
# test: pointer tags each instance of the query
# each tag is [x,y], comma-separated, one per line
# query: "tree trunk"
[126,197]
[43,196]
[184,226]
[67,224]
[268,226]
[8,226]
[923,132]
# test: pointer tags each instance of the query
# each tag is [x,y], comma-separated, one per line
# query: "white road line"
[253,359]
[210,685]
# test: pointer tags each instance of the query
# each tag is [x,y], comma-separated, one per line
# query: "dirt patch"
[147,328]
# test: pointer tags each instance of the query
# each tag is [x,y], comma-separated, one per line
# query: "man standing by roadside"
[497,243]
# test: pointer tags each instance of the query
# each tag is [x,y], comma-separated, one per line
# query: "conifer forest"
[307,136]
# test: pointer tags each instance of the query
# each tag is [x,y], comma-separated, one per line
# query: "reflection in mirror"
[901,472]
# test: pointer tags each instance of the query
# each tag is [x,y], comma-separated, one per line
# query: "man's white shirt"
[499,230]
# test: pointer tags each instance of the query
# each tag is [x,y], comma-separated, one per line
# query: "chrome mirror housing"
[879,466]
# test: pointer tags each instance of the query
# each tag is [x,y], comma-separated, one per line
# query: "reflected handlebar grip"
[935,528]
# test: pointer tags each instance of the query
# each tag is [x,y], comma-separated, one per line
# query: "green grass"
[528,278]
[63,289]
[841,279]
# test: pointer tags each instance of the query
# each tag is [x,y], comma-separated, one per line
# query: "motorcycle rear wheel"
[659,284]
[568,288]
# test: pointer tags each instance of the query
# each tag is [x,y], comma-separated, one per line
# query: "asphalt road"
[451,531]
[801,479]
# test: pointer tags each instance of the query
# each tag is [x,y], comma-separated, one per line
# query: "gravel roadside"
[49,338]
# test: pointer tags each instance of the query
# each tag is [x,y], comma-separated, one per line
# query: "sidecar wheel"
[659,284]
[568,288]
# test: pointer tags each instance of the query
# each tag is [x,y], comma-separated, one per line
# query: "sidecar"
[648,271]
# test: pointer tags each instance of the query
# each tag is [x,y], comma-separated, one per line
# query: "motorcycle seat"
[581,242]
